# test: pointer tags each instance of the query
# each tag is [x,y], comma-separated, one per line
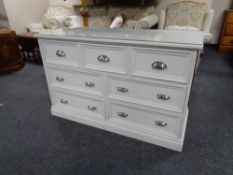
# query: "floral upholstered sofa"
[139,17]
[105,16]
[189,16]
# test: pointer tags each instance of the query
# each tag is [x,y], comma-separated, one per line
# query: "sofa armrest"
[147,22]
[208,21]
[162,19]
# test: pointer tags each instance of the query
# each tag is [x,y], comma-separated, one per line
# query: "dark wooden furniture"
[29,47]
[226,40]
[10,58]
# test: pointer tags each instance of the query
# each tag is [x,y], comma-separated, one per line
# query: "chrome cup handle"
[103,59]
[64,101]
[158,65]
[161,123]
[122,89]
[122,114]
[163,97]
[60,53]
[89,84]
[92,108]
[60,79]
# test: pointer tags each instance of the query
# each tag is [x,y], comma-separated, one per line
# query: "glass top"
[146,35]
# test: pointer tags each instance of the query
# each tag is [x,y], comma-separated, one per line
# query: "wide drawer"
[145,120]
[227,41]
[170,98]
[77,104]
[230,18]
[229,29]
[61,52]
[83,82]
[173,65]
[105,58]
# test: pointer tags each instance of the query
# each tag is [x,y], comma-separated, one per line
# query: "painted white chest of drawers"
[134,83]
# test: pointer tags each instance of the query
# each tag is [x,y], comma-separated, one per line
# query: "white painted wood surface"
[115,85]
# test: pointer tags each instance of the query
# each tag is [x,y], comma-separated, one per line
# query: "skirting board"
[174,144]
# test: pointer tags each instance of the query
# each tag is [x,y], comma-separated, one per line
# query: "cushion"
[147,22]
[186,14]
[99,21]
[117,22]
[129,24]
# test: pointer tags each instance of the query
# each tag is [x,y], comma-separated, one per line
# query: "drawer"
[162,64]
[155,95]
[83,82]
[145,120]
[229,29]
[105,58]
[230,18]
[227,41]
[79,105]
[61,52]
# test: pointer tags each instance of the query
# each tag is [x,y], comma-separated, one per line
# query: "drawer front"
[229,30]
[61,52]
[155,95]
[105,58]
[230,18]
[87,83]
[162,64]
[146,119]
[80,105]
[228,41]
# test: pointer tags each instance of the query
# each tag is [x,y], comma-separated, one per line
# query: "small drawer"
[170,98]
[229,29]
[105,58]
[83,82]
[61,52]
[173,65]
[147,120]
[230,18]
[227,41]
[78,104]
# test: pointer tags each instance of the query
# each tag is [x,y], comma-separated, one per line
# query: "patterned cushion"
[129,24]
[186,14]
[99,21]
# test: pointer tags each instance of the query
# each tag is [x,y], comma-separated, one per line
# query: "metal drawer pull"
[90,84]
[92,108]
[122,89]
[160,123]
[64,101]
[163,97]
[60,79]
[159,65]
[122,114]
[103,59]
[60,53]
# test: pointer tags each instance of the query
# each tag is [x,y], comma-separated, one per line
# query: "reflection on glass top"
[182,37]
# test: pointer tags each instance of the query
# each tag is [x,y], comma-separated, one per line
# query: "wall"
[3,17]
[220,6]
[22,12]
[2,9]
